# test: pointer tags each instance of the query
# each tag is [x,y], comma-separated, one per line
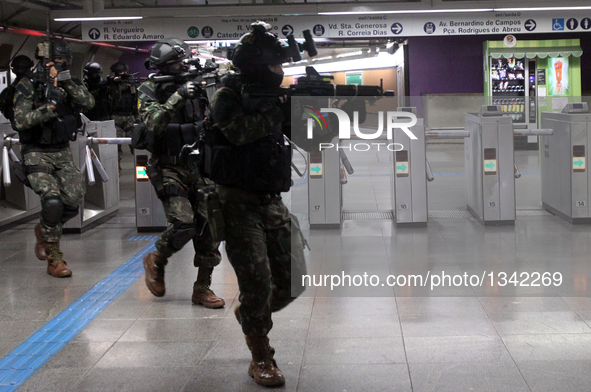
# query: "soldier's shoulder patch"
[146,92]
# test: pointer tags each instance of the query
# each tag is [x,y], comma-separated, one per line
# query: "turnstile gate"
[18,203]
[149,213]
[101,201]
[409,175]
[325,194]
[489,166]
[566,180]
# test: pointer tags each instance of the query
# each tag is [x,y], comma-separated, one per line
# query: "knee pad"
[52,210]
[181,234]
[69,213]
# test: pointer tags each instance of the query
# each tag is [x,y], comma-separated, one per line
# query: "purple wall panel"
[445,65]
[135,61]
[454,65]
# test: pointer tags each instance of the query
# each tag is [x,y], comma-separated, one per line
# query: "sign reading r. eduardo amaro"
[336,26]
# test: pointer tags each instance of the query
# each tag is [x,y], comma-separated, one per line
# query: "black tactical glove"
[188,90]
[56,96]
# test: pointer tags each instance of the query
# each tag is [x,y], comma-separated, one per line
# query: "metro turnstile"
[18,203]
[149,213]
[566,180]
[101,201]
[489,166]
[409,179]
[325,194]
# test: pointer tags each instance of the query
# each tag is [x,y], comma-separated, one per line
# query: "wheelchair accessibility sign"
[557,24]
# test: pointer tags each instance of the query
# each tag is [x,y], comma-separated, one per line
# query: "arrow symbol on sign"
[287,30]
[397,28]
[316,169]
[530,25]
[490,165]
[579,163]
[403,167]
[142,172]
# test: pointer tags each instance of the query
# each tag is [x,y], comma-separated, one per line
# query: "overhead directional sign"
[341,26]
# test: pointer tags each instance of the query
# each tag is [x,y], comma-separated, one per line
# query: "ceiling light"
[220,42]
[365,12]
[97,18]
[544,9]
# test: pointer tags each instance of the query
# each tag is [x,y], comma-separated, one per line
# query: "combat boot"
[40,244]
[56,266]
[202,294]
[154,265]
[263,367]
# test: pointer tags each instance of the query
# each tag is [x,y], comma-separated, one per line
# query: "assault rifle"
[192,74]
[316,85]
[124,78]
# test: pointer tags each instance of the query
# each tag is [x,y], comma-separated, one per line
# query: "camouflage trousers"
[65,182]
[259,246]
[186,209]
[124,126]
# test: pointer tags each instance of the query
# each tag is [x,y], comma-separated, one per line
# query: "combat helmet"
[61,49]
[119,67]
[21,64]
[92,69]
[259,47]
[166,52]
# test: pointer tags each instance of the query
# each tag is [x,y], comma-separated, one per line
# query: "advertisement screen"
[558,83]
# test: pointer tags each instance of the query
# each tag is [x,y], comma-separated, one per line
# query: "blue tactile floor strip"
[143,238]
[20,364]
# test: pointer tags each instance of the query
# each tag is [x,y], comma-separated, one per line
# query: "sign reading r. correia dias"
[341,26]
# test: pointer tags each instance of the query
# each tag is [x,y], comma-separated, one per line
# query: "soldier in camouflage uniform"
[47,117]
[104,94]
[170,110]
[21,66]
[250,164]
[125,104]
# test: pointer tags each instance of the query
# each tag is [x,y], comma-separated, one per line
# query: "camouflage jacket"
[155,115]
[28,112]
[242,122]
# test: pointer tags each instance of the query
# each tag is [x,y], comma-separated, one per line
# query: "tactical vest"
[102,107]
[182,128]
[58,131]
[263,166]
[126,104]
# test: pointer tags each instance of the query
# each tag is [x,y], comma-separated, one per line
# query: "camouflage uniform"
[124,109]
[51,170]
[258,226]
[179,187]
